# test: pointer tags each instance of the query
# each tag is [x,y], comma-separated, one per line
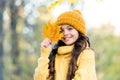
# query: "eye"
[70,28]
[61,31]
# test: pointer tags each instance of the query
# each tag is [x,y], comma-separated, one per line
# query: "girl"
[71,58]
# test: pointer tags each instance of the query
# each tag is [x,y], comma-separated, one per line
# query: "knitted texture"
[73,18]
[85,63]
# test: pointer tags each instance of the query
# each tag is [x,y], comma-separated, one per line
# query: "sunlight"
[96,13]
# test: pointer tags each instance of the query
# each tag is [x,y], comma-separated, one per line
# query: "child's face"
[70,34]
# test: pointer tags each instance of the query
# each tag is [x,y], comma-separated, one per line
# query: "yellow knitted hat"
[73,18]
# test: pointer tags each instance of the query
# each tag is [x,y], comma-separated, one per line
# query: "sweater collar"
[65,49]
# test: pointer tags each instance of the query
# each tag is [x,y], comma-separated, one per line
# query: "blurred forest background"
[21,24]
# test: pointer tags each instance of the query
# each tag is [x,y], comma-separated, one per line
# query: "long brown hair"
[79,46]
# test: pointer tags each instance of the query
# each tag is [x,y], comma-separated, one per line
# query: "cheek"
[76,34]
[76,37]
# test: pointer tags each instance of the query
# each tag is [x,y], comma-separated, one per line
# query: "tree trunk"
[2,7]
[14,37]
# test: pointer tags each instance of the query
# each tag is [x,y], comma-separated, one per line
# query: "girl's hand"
[46,43]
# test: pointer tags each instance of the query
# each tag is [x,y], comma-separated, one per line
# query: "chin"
[68,44]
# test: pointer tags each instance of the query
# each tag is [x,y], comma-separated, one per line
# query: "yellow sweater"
[85,62]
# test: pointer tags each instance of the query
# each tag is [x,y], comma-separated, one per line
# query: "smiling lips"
[67,38]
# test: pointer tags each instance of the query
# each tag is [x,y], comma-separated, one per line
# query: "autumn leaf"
[51,31]
[72,1]
[55,3]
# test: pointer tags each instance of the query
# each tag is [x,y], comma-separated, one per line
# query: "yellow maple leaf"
[52,31]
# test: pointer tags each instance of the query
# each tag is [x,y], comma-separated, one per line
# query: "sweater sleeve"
[86,66]
[42,71]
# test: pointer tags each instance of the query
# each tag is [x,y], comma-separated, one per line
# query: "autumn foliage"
[52,31]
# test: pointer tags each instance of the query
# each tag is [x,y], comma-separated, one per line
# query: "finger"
[47,42]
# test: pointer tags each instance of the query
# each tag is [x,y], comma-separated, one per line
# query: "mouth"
[67,38]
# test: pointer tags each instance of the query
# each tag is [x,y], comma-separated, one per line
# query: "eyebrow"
[69,26]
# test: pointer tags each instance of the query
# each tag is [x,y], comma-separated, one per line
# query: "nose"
[65,32]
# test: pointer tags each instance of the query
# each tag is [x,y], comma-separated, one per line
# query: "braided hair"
[79,46]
